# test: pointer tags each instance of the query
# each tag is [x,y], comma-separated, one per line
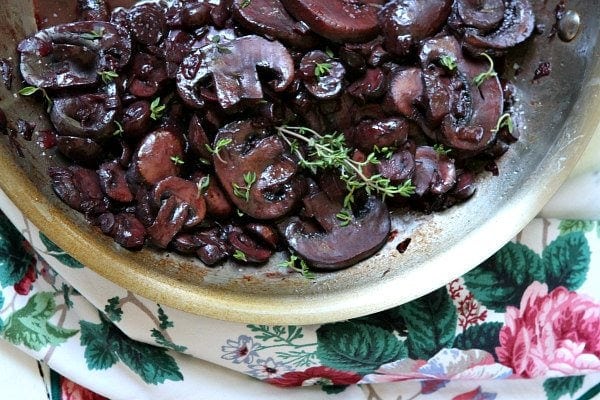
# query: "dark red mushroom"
[83,151]
[125,229]
[404,23]
[334,245]
[114,183]
[434,172]
[370,135]
[79,188]
[517,25]
[92,10]
[154,158]
[248,249]
[73,54]
[468,113]
[484,15]
[322,76]
[185,192]
[233,67]
[337,20]
[406,92]
[256,170]
[147,22]
[269,18]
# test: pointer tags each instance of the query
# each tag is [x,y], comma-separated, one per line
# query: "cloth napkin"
[524,324]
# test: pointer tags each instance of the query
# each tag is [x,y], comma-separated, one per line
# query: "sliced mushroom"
[518,23]
[185,192]
[335,246]
[136,119]
[254,152]
[371,86]
[253,252]
[217,202]
[73,54]
[153,159]
[147,23]
[125,229]
[398,168]
[233,67]
[337,20]
[269,18]
[404,23]
[82,151]
[406,92]
[468,113]
[434,172]
[371,134]
[322,76]
[168,222]
[79,188]
[113,182]
[89,115]
[484,15]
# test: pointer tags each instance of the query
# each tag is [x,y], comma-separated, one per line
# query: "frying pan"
[557,113]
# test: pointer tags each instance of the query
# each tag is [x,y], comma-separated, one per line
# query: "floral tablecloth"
[524,323]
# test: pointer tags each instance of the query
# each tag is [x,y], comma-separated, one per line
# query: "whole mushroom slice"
[257,171]
[406,92]
[185,192]
[269,18]
[484,15]
[89,115]
[336,245]
[92,10]
[517,26]
[472,112]
[322,76]
[404,23]
[73,54]
[233,67]
[337,20]
[79,188]
[153,159]
[434,172]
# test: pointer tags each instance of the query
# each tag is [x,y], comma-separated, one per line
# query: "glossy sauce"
[54,12]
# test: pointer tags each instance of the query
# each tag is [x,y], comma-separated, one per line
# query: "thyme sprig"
[243,192]
[448,62]
[303,269]
[108,76]
[220,145]
[505,120]
[490,73]
[330,151]
[30,90]
[157,109]
[322,69]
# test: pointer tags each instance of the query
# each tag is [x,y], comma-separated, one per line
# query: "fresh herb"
[108,76]
[203,185]
[119,130]
[156,109]
[441,150]
[30,90]
[482,77]
[177,160]
[322,69]
[245,3]
[448,62]
[243,192]
[93,35]
[505,121]
[330,151]
[221,48]
[329,52]
[220,145]
[239,212]
[345,217]
[240,255]
[386,152]
[302,269]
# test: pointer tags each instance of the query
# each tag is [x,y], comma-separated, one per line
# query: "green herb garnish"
[220,145]
[93,35]
[505,121]
[203,185]
[240,255]
[108,76]
[448,62]
[322,69]
[245,3]
[30,90]
[177,160]
[303,269]
[482,77]
[156,109]
[441,150]
[330,151]
[119,130]
[243,192]
[221,48]
[345,217]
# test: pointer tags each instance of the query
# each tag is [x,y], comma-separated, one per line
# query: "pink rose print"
[445,365]
[551,334]
[71,391]
[315,375]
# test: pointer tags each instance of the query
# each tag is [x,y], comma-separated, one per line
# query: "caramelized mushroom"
[337,20]
[333,246]
[73,54]
[253,152]
[269,18]
[185,192]
[233,67]
[92,10]
[79,188]
[153,159]
[404,23]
